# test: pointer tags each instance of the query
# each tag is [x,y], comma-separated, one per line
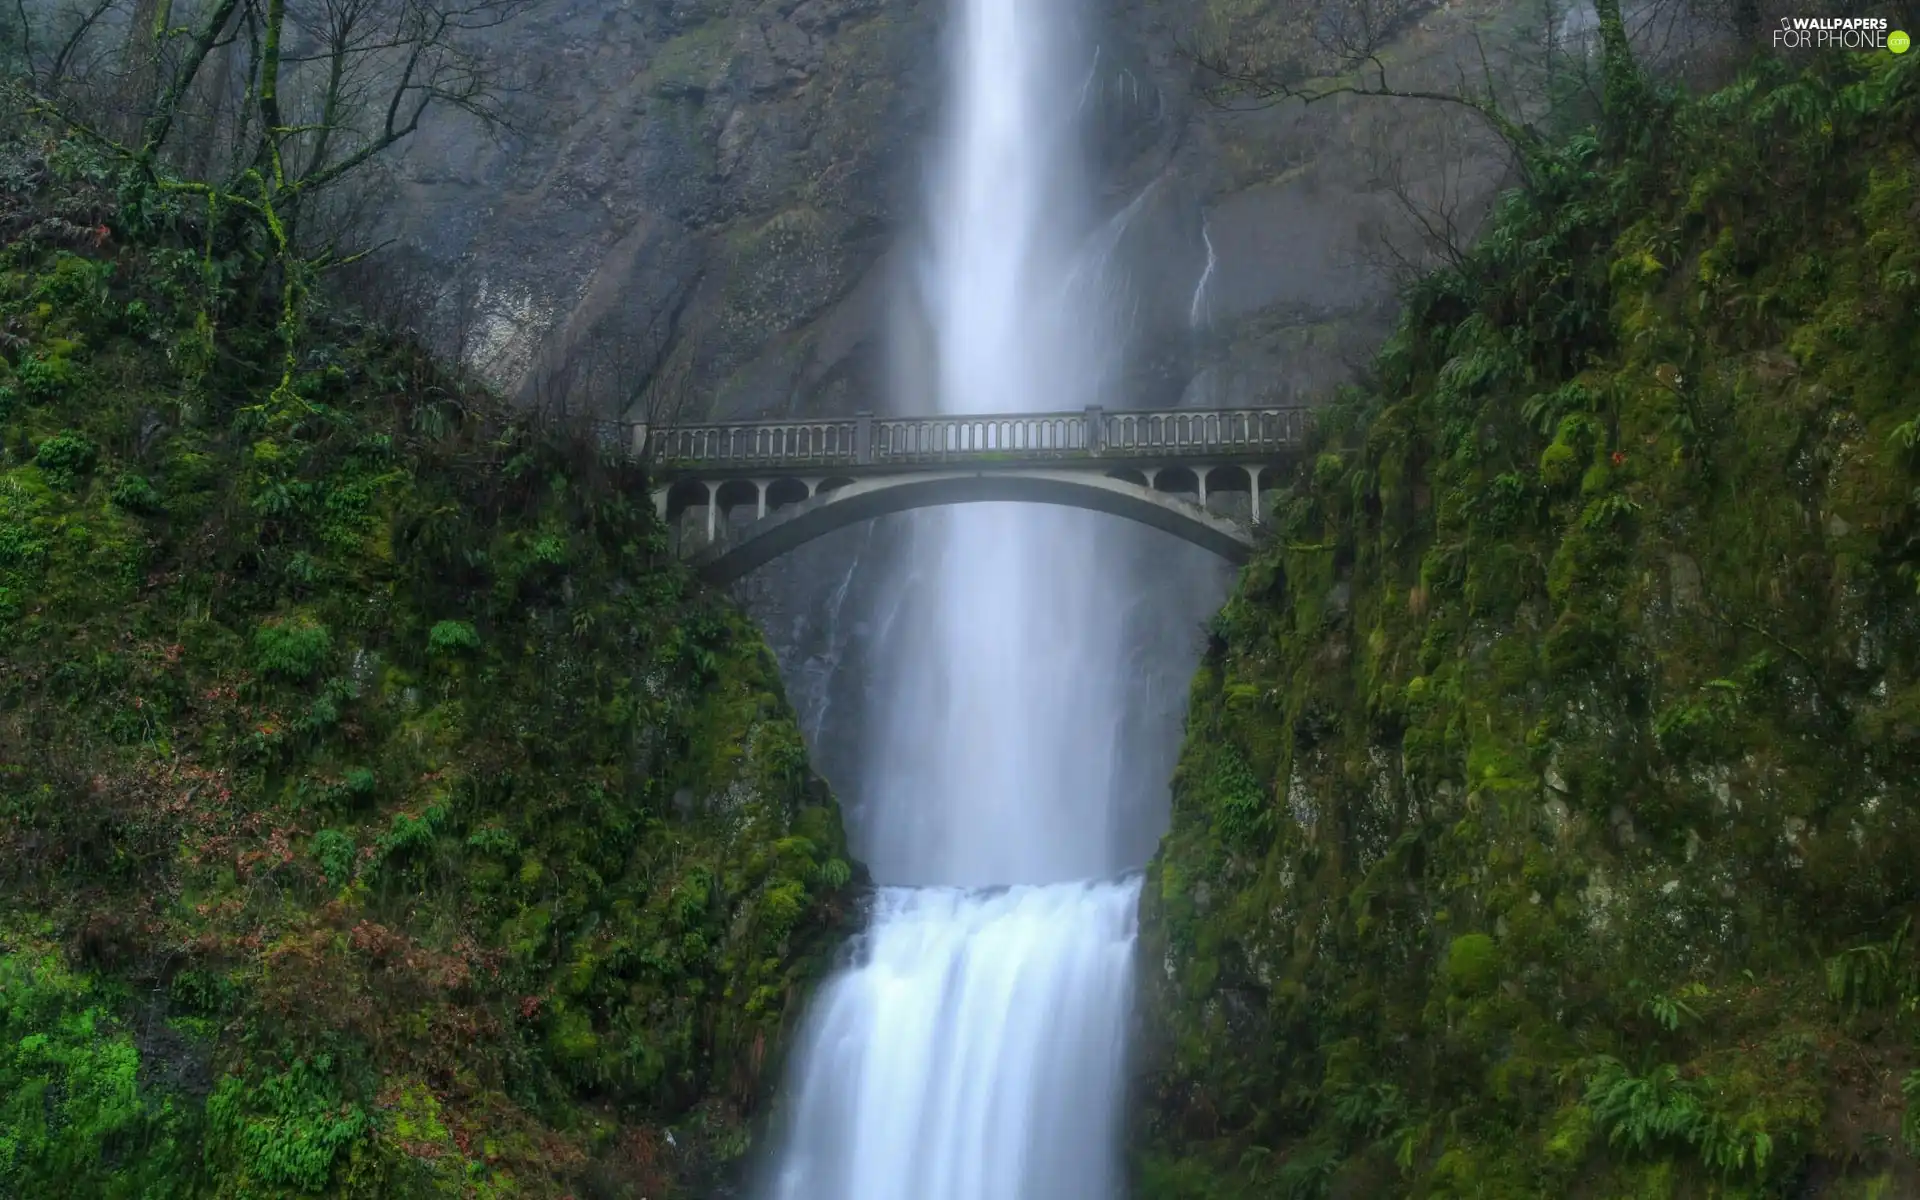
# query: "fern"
[1906,442]
[1875,974]
[1671,1010]
[1647,1112]
[1242,816]
[1640,1112]
[291,1129]
[1306,1174]
[1368,1112]
[1608,509]
[1733,1147]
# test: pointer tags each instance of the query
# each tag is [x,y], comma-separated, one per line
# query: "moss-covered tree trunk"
[1624,94]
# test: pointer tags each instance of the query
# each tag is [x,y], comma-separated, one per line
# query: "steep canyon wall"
[704,209]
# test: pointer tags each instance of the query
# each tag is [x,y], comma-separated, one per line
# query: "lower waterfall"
[973,1052]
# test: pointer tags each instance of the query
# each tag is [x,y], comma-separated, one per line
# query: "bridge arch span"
[863,499]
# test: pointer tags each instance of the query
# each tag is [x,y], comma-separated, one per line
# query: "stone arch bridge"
[740,495]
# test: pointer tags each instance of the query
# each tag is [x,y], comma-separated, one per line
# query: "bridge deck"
[865,444]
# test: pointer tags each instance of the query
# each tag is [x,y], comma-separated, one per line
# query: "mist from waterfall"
[974,1048]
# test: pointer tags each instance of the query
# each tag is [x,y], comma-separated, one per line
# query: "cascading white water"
[974,1052]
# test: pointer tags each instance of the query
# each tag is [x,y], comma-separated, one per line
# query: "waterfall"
[973,1049]
[974,1053]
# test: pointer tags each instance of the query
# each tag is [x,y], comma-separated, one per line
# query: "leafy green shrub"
[205,993]
[491,839]
[1697,727]
[408,833]
[1327,470]
[450,637]
[133,493]
[550,551]
[1875,974]
[294,648]
[65,457]
[20,545]
[76,283]
[1640,1111]
[1646,1113]
[333,850]
[43,380]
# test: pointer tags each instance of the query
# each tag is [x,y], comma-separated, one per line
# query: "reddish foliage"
[642,1159]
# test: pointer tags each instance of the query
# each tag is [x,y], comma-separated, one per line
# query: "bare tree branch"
[325,89]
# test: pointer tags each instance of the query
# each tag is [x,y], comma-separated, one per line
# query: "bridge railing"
[865,440]
[948,439]
[758,443]
[1204,431]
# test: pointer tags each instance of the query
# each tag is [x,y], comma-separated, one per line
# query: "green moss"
[448,914]
[1594,861]
[1473,963]
[76,1118]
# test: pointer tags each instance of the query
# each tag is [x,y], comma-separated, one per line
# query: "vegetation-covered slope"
[1547,819]
[383,812]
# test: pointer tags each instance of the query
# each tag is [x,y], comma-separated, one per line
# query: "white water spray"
[974,1051]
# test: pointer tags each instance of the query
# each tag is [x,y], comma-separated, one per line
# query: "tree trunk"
[1624,88]
[140,72]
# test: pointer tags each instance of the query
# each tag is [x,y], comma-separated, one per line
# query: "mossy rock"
[339,737]
[1591,866]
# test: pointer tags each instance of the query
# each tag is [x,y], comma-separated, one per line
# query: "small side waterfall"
[1200,313]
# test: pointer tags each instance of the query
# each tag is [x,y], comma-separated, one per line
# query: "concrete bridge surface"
[1195,473]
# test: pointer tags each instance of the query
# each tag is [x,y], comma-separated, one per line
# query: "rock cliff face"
[705,184]
[384,811]
[714,196]
[717,185]
[1546,820]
